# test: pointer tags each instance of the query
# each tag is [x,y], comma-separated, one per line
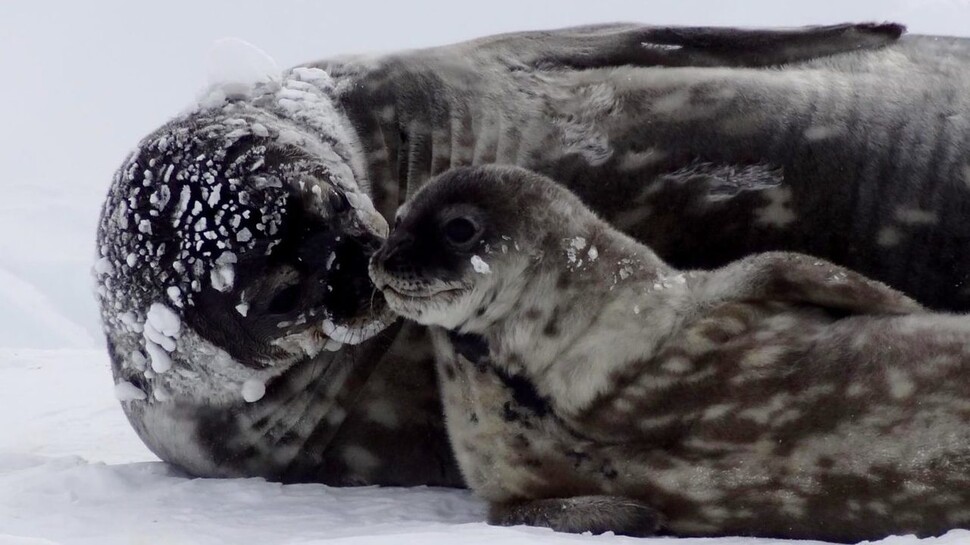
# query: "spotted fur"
[778,396]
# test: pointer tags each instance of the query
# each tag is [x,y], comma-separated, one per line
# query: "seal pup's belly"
[507,443]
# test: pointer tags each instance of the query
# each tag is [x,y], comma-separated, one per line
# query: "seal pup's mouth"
[412,300]
[412,304]
[396,287]
[422,293]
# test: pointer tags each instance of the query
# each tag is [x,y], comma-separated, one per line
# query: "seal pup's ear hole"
[461,232]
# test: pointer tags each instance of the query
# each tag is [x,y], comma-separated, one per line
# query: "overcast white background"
[82,82]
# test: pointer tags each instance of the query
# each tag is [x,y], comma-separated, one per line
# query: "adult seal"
[589,386]
[233,243]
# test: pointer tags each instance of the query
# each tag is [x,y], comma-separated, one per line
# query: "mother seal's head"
[239,233]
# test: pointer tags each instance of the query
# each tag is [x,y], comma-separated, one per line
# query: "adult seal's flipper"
[629,44]
[806,280]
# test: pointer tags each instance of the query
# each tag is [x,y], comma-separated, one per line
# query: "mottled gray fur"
[708,144]
[779,396]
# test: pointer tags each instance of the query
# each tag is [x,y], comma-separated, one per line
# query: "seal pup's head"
[477,242]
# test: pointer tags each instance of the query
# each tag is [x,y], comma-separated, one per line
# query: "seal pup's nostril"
[393,248]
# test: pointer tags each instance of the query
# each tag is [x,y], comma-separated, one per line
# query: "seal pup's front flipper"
[618,44]
[805,280]
[596,514]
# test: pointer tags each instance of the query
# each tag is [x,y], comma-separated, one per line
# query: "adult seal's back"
[245,337]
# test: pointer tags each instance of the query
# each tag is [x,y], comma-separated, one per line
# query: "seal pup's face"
[461,250]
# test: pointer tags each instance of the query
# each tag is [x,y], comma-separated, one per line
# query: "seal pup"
[261,376]
[589,386]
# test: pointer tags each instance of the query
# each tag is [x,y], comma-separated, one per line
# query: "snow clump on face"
[480,266]
[253,390]
[574,247]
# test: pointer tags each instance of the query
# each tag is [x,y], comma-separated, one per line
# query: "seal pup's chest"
[508,442]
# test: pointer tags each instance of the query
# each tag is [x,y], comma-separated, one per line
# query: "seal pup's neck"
[560,325]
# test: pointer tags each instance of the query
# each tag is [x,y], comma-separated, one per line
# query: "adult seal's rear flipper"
[805,280]
[619,44]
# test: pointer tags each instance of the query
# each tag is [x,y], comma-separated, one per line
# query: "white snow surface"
[73,472]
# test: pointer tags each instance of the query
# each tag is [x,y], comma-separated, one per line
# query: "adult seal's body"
[247,223]
[590,386]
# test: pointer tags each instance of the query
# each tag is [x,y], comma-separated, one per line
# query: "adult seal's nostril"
[349,287]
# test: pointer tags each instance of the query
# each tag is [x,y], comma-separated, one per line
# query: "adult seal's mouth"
[331,336]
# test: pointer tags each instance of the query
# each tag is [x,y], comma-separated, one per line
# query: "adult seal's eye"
[338,202]
[460,231]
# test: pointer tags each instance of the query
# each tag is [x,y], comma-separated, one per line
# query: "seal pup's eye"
[460,231]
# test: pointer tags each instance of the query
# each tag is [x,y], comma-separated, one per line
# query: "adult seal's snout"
[355,294]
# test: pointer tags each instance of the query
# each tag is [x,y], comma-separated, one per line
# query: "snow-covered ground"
[73,472]
[82,82]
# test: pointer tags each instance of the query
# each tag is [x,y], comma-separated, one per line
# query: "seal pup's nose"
[391,255]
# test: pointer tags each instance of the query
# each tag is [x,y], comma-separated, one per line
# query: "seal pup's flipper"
[602,46]
[596,514]
[805,280]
